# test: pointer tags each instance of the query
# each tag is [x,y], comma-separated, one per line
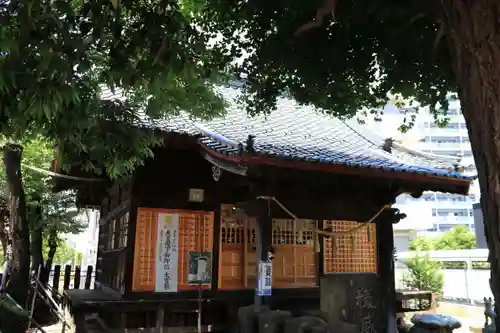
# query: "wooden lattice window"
[117,278]
[237,250]
[112,235]
[145,251]
[118,232]
[355,253]
[121,231]
[295,257]
[295,262]
[195,234]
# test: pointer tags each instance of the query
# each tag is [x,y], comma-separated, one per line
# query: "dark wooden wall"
[113,235]
[164,182]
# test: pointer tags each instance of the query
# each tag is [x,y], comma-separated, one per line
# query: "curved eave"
[226,165]
[432,182]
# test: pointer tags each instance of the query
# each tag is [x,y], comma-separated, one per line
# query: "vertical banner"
[265,281]
[167,253]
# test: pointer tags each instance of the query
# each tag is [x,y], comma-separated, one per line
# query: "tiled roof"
[302,133]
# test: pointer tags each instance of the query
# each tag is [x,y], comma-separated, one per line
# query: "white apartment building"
[433,212]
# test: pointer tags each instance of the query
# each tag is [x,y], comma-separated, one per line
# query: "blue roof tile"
[302,133]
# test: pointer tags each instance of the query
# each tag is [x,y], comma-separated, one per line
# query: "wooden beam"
[385,266]
[216,247]
[434,182]
[132,229]
[264,240]
[340,210]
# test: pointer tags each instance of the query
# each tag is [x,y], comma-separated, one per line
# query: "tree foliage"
[58,55]
[458,238]
[64,253]
[58,210]
[348,63]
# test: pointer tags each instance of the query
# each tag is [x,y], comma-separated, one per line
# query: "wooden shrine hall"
[305,195]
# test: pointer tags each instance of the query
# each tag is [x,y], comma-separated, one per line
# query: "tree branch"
[327,8]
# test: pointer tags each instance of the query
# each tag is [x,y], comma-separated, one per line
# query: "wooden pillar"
[320,256]
[216,247]
[264,239]
[132,229]
[385,267]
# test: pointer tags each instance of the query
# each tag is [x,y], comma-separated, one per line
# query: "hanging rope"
[59,175]
[327,233]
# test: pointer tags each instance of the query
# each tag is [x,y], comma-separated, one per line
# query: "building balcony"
[453,220]
[452,204]
[439,202]
[436,146]
[436,131]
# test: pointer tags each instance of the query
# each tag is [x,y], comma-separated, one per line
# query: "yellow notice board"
[163,240]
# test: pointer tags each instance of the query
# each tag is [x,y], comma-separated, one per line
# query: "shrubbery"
[424,274]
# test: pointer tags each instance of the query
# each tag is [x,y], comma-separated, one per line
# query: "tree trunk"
[4,232]
[52,243]
[37,238]
[6,266]
[20,264]
[474,37]
[36,249]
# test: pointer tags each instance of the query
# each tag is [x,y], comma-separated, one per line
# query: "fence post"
[88,277]
[67,277]
[78,273]
[56,278]
[468,268]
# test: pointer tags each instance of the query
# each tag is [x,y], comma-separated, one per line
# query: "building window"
[428,197]
[118,232]
[467,153]
[111,233]
[452,212]
[446,227]
[450,152]
[441,139]
[122,233]
[433,229]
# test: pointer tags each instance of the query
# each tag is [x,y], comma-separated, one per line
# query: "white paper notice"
[167,253]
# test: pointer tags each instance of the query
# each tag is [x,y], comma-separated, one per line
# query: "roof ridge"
[414,152]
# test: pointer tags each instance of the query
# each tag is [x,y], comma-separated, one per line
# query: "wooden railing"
[69,278]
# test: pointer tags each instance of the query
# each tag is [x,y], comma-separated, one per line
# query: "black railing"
[69,278]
